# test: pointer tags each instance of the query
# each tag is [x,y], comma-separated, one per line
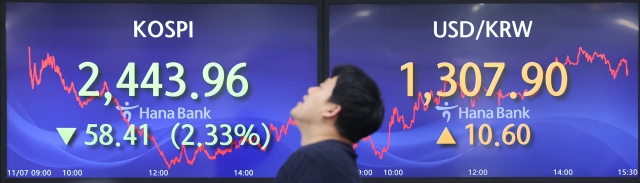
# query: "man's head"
[349,101]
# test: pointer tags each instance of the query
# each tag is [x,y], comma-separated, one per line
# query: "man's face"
[315,105]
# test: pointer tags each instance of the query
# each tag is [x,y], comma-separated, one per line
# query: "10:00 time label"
[393,172]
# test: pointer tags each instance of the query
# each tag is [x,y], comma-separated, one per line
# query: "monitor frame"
[323,72]
[326,19]
[3,88]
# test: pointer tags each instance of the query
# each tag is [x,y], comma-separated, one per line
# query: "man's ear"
[332,112]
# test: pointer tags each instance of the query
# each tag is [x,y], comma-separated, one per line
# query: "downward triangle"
[66,134]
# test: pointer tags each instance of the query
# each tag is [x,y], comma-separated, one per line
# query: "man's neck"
[317,133]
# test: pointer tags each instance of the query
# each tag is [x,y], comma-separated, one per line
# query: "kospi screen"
[496,90]
[155,90]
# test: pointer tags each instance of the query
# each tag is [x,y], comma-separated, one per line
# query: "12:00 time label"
[478,172]
[158,173]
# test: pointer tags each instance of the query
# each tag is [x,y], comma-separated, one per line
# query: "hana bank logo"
[445,110]
[125,110]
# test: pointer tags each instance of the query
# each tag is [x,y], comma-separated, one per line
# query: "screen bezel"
[326,19]
[3,87]
[323,71]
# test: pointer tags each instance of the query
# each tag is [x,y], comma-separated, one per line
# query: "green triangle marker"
[66,134]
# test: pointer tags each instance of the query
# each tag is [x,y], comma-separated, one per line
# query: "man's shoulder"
[321,162]
[326,147]
[328,152]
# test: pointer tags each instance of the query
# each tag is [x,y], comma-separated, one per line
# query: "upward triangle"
[445,137]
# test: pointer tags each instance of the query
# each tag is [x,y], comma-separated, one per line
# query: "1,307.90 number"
[500,66]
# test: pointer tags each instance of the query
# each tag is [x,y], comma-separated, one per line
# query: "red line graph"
[591,57]
[398,118]
[50,62]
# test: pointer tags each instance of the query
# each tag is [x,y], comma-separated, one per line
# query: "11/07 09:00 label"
[29,173]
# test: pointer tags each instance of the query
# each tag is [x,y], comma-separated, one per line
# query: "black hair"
[362,110]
